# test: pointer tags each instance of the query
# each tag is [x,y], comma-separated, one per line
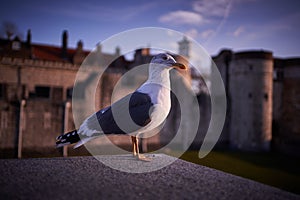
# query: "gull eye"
[165,57]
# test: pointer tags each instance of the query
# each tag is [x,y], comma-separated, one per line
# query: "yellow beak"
[179,66]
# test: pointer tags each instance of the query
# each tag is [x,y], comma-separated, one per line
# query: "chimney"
[64,47]
[118,51]
[79,46]
[28,41]
[99,48]
[78,57]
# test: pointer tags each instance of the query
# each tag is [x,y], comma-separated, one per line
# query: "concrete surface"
[87,178]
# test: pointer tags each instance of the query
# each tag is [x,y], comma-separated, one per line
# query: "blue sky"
[215,24]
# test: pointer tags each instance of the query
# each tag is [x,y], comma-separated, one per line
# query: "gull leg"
[141,156]
[134,145]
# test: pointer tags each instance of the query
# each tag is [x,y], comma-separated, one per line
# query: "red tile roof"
[53,53]
[37,51]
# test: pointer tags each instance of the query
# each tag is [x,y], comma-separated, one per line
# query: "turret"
[184,47]
[251,90]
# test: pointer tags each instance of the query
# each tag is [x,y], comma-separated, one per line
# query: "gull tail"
[83,141]
[67,138]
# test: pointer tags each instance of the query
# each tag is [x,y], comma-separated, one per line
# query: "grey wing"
[127,115]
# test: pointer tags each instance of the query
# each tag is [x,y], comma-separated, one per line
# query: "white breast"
[158,88]
[160,96]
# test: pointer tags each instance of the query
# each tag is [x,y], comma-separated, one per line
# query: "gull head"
[167,61]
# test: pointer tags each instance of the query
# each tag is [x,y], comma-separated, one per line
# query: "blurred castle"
[263,101]
[36,86]
[36,83]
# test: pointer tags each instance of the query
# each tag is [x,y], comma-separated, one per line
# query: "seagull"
[138,113]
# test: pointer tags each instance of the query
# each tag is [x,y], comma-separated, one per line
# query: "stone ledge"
[87,178]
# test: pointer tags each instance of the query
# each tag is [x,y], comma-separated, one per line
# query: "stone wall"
[44,86]
[251,89]
[286,109]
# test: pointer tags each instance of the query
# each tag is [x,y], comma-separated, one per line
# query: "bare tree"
[9,29]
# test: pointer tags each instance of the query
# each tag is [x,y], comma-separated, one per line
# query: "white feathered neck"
[159,74]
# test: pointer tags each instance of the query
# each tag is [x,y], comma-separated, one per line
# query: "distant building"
[43,77]
[37,80]
[36,85]
[263,101]
[184,47]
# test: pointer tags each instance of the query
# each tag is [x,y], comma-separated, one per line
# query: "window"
[69,93]
[278,75]
[43,92]
[2,90]
[16,45]
[266,96]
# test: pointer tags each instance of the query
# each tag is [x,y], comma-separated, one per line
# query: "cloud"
[238,31]
[182,17]
[207,33]
[193,33]
[212,8]
[201,12]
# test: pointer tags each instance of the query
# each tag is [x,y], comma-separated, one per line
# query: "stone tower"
[184,47]
[251,90]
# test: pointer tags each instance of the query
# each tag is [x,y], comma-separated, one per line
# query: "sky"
[238,25]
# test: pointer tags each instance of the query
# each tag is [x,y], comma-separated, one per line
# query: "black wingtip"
[67,138]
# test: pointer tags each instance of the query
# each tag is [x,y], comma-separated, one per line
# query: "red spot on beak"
[179,66]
